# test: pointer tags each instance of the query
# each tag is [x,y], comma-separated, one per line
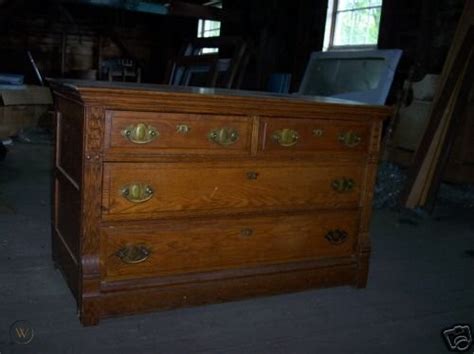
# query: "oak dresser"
[167,197]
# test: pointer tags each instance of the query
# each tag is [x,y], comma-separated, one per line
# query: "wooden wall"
[283,33]
[150,39]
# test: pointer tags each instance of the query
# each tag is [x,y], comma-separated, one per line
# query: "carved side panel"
[363,247]
[91,214]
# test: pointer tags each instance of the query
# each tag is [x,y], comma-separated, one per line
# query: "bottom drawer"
[156,249]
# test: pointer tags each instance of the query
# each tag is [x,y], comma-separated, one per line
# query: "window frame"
[332,10]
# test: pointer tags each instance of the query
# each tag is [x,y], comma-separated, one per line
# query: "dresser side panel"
[363,247]
[66,189]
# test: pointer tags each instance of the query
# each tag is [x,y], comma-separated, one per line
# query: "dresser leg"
[89,319]
[362,271]
[89,313]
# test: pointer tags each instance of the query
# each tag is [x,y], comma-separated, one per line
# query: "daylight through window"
[352,23]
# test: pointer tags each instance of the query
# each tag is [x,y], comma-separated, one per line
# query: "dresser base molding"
[132,301]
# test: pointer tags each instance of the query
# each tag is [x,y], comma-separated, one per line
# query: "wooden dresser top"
[120,95]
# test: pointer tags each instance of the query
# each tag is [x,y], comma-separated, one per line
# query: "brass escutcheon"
[343,184]
[246,232]
[133,254]
[286,137]
[252,175]
[224,136]
[318,132]
[183,128]
[140,133]
[350,138]
[137,192]
[336,237]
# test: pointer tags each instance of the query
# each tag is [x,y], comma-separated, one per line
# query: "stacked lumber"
[456,81]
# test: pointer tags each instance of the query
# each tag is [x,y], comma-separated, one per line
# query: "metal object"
[343,184]
[246,232]
[224,136]
[336,237]
[133,254]
[350,139]
[318,132]
[286,137]
[252,175]
[140,133]
[183,128]
[137,193]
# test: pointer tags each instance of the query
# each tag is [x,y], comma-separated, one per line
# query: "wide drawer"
[280,136]
[176,133]
[152,190]
[207,245]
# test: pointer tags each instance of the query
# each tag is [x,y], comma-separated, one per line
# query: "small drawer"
[138,191]
[207,245]
[175,133]
[279,136]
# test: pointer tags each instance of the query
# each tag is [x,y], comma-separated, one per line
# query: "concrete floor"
[420,282]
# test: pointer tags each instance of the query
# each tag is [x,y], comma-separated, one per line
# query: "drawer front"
[280,135]
[145,190]
[187,247]
[173,133]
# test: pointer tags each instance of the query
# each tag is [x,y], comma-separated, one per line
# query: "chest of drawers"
[175,197]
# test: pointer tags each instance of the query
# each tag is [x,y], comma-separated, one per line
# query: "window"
[209,28]
[352,24]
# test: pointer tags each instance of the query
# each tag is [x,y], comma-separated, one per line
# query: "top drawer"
[177,133]
[280,135]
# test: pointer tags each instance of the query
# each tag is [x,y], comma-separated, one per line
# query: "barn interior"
[419,283]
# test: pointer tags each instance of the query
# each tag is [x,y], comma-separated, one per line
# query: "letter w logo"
[22,333]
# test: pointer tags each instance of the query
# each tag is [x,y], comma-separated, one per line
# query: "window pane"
[356,4]
[357,27]
[208,28]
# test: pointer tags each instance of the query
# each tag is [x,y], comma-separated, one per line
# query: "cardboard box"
[21,107]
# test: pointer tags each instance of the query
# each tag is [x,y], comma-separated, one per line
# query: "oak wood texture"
[206,245]
[172,141]
[314,135]
[212,222]
[185,188]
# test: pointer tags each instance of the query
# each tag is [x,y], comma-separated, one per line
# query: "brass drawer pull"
[252,175]
[133,254]
[246,232]
[141,133]
[336,237]
[349,139]
[183,129]
[223,136]
[137,193]
[343,184]
[286,137]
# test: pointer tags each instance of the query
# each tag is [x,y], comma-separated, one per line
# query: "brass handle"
[246,232]
[349,139]
[223,136]
[183,128]
[133,254]
[286,137]
[336,237]
[252,175]
[137,193]
[140,134]
[343,184]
